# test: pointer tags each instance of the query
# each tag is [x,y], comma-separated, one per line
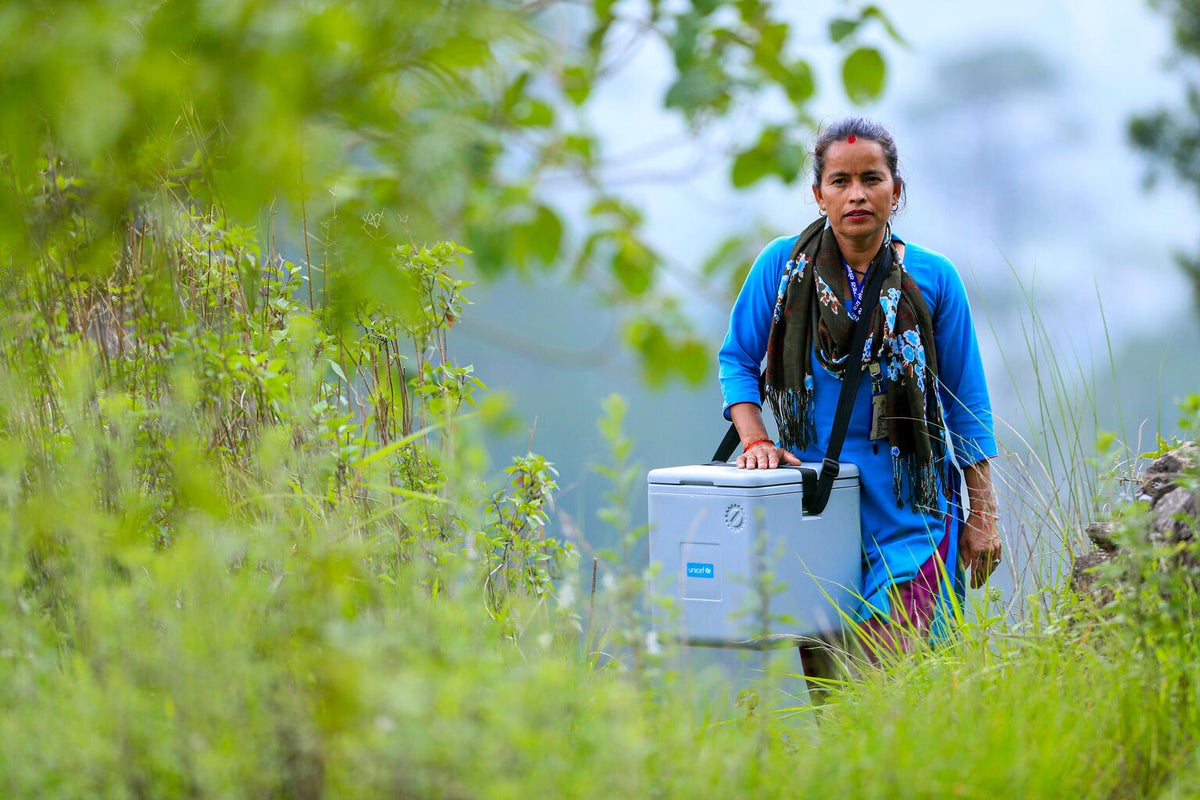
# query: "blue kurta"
[896,539]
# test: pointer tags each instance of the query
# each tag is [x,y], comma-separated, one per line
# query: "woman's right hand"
[759,450]
[765,455]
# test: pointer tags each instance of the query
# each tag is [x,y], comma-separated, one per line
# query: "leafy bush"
[228,510]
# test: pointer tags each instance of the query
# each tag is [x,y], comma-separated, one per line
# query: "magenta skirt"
[914,604]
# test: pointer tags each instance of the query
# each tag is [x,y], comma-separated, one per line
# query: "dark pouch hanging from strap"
[816,489]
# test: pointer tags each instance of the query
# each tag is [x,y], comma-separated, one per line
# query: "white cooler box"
[707,579]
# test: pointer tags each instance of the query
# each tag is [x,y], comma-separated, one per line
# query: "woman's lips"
[858,214]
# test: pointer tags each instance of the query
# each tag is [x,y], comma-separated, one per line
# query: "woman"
[923,400]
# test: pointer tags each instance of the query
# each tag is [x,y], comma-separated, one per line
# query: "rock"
[1161,476]
[1174,511]
[1101,535]
[1085,581]
[1175,515]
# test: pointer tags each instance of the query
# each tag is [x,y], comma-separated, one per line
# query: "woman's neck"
[859,253]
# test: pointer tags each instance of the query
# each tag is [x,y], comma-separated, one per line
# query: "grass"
[287,643]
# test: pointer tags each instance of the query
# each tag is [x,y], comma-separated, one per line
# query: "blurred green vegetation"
[344,128]
[250,545]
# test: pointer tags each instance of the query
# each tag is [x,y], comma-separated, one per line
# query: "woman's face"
[857,190]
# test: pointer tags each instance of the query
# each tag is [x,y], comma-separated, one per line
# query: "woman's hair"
[862,128]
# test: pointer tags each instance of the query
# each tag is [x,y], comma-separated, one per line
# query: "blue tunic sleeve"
[741,354]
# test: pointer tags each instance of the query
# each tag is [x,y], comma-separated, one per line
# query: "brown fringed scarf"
[809,317]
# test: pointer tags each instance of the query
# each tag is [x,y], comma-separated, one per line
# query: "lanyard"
[856,290]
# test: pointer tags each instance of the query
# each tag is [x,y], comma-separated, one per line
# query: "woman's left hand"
[979,547]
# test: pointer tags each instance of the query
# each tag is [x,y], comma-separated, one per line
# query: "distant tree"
[356,125]
[1171,137]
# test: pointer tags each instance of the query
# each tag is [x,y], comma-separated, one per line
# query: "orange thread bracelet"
[757,442]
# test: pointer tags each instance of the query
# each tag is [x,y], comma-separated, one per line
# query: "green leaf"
[789,157]
[863,75]
[724,255]
[587,256]
[798,82]
[664,355]
[840,29]
[603,9]
[751,9]
[491,243]
[683,40]
[461,53]
[595,41]
[533,114]
[548,233]
[633,265]
[515,91]
[772,39]
[875,12]
[750,166]
[537,240]
[581,146]
[691,359]
[648,339]
[577,84]
[774,154]
[698,87]
[623,212]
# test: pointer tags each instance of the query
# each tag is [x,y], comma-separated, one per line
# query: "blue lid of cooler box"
[730,476]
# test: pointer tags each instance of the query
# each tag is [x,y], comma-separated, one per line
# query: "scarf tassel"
[793,410]
[924,481]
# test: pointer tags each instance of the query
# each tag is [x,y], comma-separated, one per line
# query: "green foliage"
[774,152]
[730,59]
[1190,422]
[863,73]
[230,513]
[625,627]
[457,119]
[519,556]
[1064,714]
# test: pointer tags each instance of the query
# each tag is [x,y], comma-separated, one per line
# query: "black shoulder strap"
[732,440]
[728,444]
[816,499]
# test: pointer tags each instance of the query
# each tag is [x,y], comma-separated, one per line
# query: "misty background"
[1010,119]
